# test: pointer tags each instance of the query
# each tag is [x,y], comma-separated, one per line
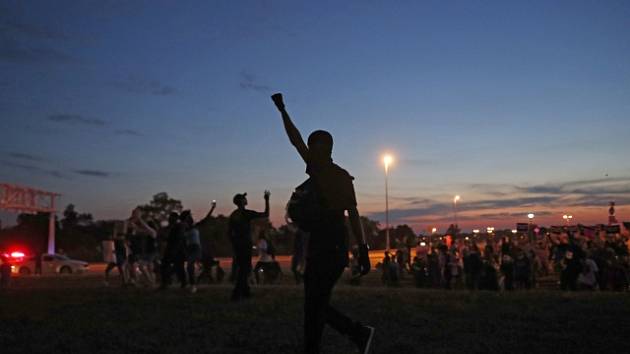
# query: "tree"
[72,218]
[160,207]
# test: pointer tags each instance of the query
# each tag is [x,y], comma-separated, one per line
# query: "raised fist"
[277,100]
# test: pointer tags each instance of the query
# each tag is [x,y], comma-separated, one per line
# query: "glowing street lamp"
[567,218]
[434,230]
[387,160]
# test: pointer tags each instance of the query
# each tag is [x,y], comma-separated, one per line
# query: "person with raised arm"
[331,191]
[193,243]
[239,231]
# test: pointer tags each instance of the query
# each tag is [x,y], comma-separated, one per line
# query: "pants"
[194,256]
[320,277]
[243,260]
[172,263]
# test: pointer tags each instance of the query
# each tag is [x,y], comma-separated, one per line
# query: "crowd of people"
[144,259]
[569,261]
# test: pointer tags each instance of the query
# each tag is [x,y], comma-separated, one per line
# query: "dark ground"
[79,315]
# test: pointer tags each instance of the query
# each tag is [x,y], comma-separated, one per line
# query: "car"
[50,264]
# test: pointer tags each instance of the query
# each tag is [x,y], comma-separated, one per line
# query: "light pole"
[455,200]
[387,160]
[530,216]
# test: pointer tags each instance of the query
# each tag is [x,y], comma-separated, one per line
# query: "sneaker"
[363,339]
[193,289]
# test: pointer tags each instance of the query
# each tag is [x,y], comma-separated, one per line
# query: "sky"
[517,107]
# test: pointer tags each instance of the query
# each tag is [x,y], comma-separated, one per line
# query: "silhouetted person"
[175,252]
[109,256]
[239,231]
[328,242]
[193,244]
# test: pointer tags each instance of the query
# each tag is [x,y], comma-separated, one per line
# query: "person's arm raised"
[208,216]
[266,196]
[292,131]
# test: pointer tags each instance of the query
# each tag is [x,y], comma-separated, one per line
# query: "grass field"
[80,315]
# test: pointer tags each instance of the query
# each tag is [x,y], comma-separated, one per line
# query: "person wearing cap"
[239,231]
[327,255]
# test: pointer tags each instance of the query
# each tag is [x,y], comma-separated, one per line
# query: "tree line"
[79,235]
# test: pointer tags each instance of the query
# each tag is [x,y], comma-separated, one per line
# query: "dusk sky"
[516,106]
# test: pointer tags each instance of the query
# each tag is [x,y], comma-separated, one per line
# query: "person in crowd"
[588,277]
[192,240]
[139,234]
[328,245]
[239,231]
[488,279]
[390,270]
[266,264]
[435,271]
[472,267]
[174,253]
[110,255]
[401,262]
[522,270]
[507,270]
[420,271]
[571,265]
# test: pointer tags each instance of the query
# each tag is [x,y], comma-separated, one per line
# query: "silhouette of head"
[320,144]
[173,218]
[240,200]
[186,217]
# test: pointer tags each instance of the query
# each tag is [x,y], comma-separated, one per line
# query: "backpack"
[304,207]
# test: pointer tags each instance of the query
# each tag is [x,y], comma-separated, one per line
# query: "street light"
[455,200]
[387,160]
[567,218]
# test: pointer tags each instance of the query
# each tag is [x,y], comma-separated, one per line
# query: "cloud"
[130,132]
[24,156]
[34,169]
[13,52]
[506,201]
[93,173]
[142,86]
[13,28]
[248,82]
[581,187]
[75,119]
